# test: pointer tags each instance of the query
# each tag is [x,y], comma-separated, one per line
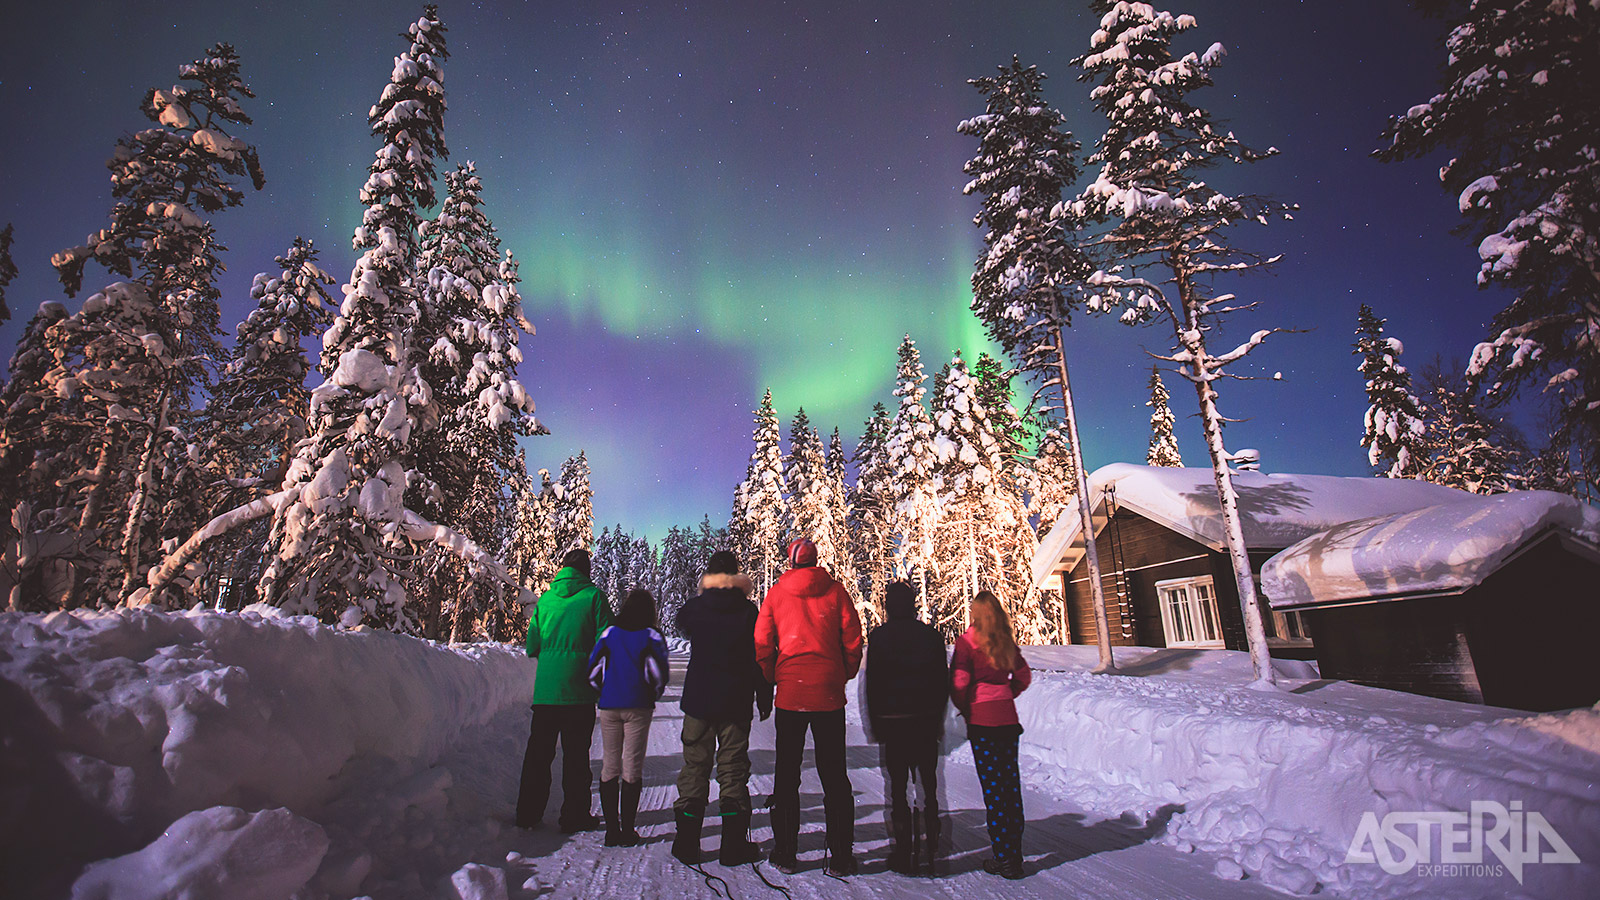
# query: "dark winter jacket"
[628,668]
[723,676]
[906,680]
[561,632]
[808,640]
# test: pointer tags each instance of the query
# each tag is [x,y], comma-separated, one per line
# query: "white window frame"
[1195,611]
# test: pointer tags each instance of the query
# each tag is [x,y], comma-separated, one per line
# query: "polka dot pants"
[996,760]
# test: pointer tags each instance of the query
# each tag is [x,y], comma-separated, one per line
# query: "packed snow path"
[1070,853]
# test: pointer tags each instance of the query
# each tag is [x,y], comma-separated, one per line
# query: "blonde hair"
[992,630]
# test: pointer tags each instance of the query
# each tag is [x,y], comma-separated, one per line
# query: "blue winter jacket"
[628,668]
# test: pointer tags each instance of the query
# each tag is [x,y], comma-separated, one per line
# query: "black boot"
[686,845]
[630,812]
[933,830]
[785,838]
[608,808]
[902,842]
[737,849]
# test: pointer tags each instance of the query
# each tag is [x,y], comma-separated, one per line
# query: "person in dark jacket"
[722,680]
[628,666]
[906,700]
[561,632]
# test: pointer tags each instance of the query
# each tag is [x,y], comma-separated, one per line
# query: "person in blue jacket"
[628,666]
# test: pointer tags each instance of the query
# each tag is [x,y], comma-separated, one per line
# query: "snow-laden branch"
[1244,348]
[162,575]
[479,560]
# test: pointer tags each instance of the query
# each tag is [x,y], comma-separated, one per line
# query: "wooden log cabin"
[1166,574]
[1486,600]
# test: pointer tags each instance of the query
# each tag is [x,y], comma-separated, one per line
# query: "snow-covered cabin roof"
[1277,509]
[1437,550]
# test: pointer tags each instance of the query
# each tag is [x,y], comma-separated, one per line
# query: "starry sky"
[709,199]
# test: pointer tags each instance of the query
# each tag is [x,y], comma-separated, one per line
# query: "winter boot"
[630,812]
[933,830]
[785,838]
[902,842]
[686,844]
[737,849]
[608,808]
[1009,868]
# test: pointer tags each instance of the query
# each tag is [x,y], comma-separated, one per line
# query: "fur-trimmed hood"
[715,580]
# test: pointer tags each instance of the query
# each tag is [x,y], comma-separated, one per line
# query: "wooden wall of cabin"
[1418,646]
[1152,553]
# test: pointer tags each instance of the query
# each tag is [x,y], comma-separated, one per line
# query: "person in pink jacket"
[987,672]
[808,643]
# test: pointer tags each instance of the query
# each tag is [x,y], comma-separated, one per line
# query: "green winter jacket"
[561,632]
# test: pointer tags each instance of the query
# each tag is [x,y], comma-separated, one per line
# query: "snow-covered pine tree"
[165,179]
[613,550]
[911,481]
[257,413]
[1518,117]
[467,330]
[1024,285]
[8,269]
[643,570]
[1393,427]
[1163,216]
[533,554]
[843,566]
[762,510]
[679,575]
[26,434]
[809,486]
[1014,540]
[871,506]
[342,545]
[1460,446]
[1163,444]
[574,508]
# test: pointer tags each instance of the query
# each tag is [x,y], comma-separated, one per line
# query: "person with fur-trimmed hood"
[722,680]
[808,640]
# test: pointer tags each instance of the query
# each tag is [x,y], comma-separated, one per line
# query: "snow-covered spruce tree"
[871,506]
[844,550]
[257,413]
[1163,449]
[574,508]
[533,554]
[1518,117]
[613,551]
[1163,218]
[808,483]
[33,578]
[1393,427]
[1460,446]
[8,269]
[1024,285]
[467,330]
[1014,539]
[644,570]
[165,180]
[680,575]
[912,489]
[762,510]
[342,540]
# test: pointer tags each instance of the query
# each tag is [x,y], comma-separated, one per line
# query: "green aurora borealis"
[707,200]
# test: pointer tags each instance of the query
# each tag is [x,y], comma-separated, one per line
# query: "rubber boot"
[608,808]
[686,844]
[737,848]
[630,812]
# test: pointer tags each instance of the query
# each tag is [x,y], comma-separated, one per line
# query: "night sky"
[710,199]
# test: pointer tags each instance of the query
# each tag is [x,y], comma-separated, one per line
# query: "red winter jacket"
[808,640]
[982,692]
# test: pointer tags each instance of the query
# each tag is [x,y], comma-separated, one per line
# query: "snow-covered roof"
[1277,509]
[1438,550]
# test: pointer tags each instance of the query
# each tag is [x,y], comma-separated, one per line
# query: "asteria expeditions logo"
[1404,841]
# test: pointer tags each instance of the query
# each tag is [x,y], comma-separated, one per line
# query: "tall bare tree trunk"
[1086,512]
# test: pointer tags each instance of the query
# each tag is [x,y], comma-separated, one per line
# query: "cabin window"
[1189,612]
[1288,627]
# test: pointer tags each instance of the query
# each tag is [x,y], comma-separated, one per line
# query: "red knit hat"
[802,553]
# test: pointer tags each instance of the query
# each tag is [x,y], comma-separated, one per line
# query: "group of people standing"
[789,659]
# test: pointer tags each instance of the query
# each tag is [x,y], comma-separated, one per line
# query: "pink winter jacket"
[983,693]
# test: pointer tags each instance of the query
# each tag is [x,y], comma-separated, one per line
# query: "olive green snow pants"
[726,743]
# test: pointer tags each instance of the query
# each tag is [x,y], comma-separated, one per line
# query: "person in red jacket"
[808,642]
[987,672]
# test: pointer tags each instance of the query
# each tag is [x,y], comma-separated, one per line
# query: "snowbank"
[1278,782]
[117,724]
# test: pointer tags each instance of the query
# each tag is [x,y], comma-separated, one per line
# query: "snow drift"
[113,725]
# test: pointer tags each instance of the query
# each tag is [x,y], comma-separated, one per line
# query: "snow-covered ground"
[204,755]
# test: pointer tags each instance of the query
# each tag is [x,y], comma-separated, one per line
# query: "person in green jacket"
[561,631]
